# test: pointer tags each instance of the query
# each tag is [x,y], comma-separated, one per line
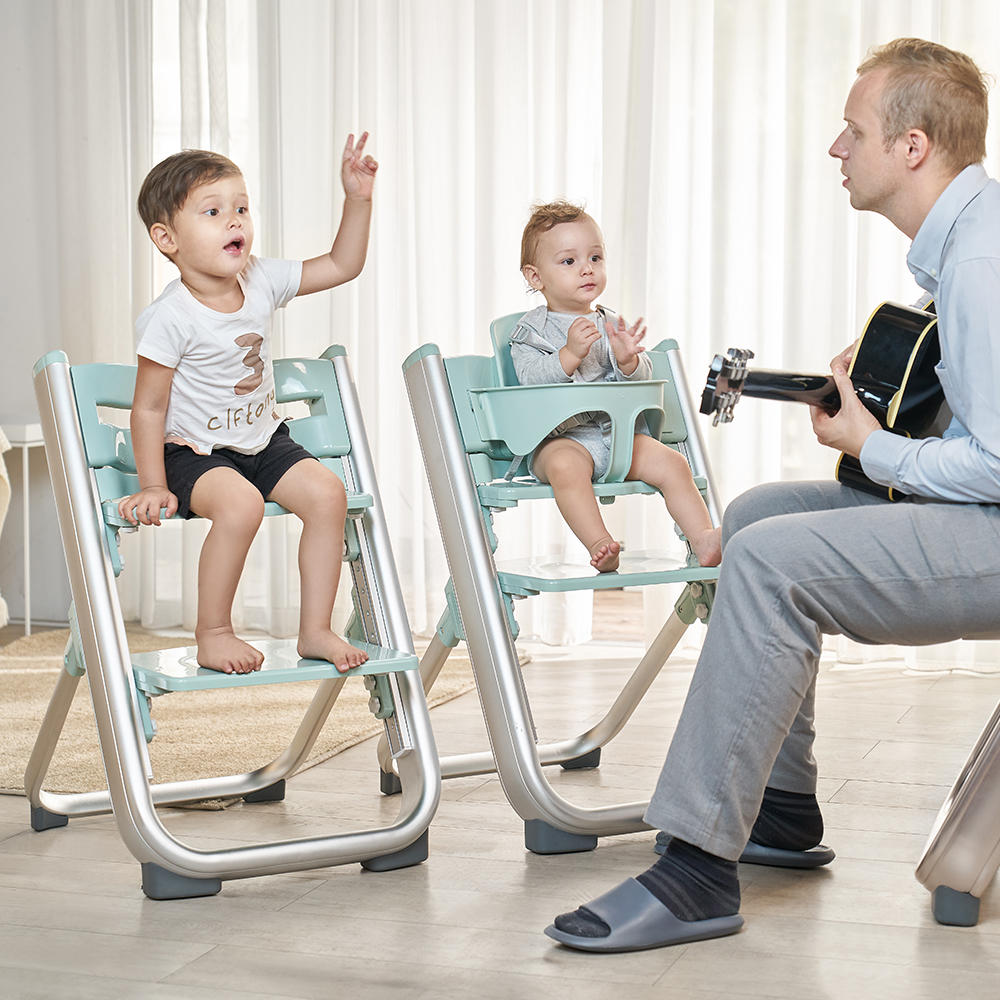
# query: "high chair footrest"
[177,669]
[550,574]
[159,883]
[508,493]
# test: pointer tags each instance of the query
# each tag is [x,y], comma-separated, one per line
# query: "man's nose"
[838,149]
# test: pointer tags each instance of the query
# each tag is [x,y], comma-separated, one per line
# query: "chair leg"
[430,666]
[45,744]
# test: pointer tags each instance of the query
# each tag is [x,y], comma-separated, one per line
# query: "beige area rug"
[200,733]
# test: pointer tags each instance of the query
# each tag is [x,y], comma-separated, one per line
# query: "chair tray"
[549,574]
[178,670]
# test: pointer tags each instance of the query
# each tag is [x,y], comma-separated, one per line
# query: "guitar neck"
[795,387]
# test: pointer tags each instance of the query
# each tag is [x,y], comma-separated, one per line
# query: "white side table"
[25,437]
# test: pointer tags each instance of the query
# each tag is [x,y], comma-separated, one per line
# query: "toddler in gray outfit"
[570,340]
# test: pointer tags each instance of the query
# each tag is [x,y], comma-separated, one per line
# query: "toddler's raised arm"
[347,255]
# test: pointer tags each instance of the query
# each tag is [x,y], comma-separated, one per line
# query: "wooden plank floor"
[468,923]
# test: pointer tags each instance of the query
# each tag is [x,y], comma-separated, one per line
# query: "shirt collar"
[927,249]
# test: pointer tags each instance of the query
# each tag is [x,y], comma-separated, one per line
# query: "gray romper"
[534,349]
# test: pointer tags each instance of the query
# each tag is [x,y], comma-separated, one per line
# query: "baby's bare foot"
[708,547]
[327,645]
[224,652]
[604,556]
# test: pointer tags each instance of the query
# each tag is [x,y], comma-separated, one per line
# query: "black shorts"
[184,466]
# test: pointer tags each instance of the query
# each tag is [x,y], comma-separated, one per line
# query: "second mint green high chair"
[474,423]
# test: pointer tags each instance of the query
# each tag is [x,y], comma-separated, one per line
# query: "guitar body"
[892,372]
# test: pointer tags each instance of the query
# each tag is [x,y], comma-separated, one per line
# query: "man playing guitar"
[812,558]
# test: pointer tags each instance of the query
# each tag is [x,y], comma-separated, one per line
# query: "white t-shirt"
[222,393]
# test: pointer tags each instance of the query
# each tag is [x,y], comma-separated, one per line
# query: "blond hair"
[543,218]
[937,90]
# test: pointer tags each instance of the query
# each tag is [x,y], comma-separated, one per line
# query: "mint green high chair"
[475,425]
[91,465]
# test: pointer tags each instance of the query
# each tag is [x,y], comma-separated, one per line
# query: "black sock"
[790,821]
[691,883]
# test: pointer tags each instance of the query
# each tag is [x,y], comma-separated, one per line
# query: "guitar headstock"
[724,384]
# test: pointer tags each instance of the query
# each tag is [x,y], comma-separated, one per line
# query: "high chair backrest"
[500,331]
[108,446]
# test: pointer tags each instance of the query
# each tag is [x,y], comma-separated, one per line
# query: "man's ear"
[917,146]
[532,277]
[163,238]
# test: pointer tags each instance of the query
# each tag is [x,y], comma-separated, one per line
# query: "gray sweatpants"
[800,560]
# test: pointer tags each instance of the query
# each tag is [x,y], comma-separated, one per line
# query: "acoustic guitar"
[892,371]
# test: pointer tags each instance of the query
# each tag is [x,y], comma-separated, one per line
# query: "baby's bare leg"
[235,509]
[314,493]
[568,467]
[655,463]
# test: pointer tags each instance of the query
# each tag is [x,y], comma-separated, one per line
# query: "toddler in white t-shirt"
[205,432]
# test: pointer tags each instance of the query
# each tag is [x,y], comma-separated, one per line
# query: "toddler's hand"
[147,504]
[357,174]
[581,335]
[626,342]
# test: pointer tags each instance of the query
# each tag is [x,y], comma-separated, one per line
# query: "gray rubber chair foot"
[958,909]
[638,920]
[389,783]
[584,762]
[273,793]
[542,838]
[42,819]
[415,854]
[159,883]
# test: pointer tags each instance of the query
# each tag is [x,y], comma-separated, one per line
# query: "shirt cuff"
[881,455]
[643,370]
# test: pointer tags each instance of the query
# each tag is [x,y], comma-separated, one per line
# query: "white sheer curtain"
[695,131]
